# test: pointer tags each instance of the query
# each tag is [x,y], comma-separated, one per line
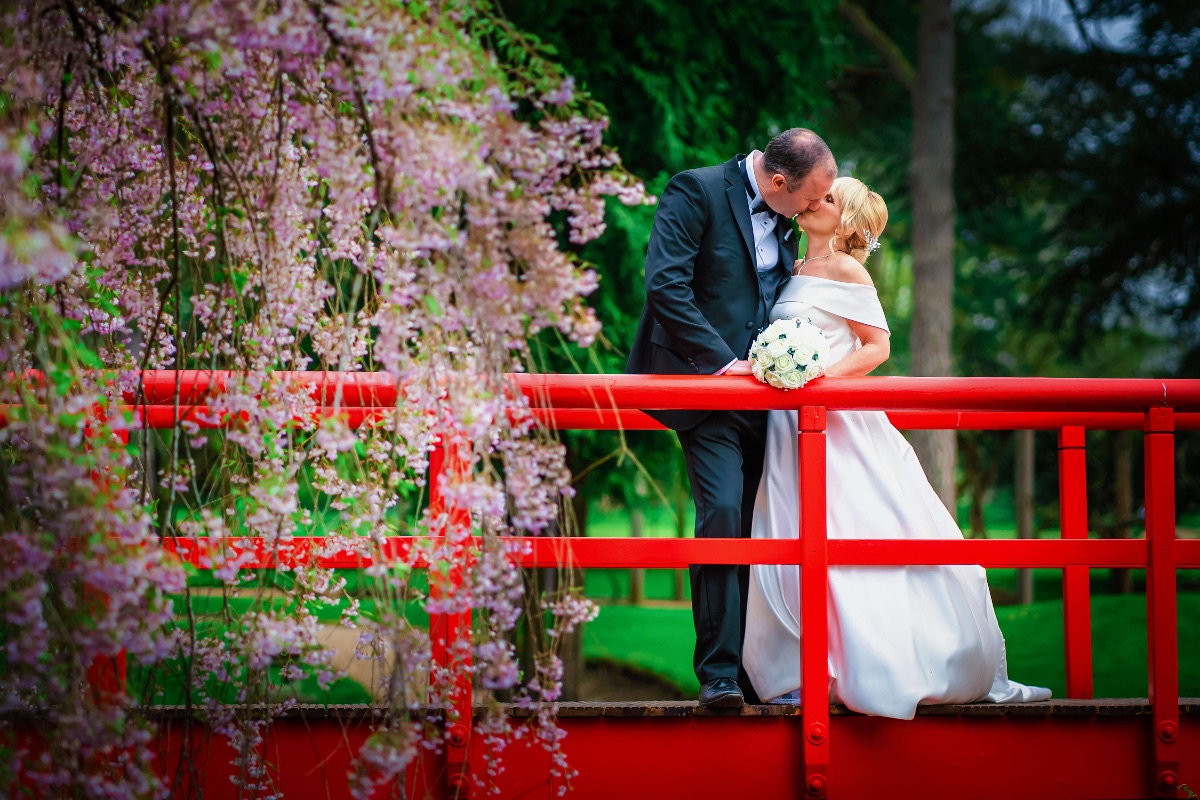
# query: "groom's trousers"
[724,455]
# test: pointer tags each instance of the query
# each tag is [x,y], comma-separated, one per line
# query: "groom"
[721,247]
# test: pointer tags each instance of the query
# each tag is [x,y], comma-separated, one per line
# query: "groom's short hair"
[795,153]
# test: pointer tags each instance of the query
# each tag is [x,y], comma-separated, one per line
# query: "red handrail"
[592,419]
[379,390]
[611,552]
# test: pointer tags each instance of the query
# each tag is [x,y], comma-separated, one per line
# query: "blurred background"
[1041,164]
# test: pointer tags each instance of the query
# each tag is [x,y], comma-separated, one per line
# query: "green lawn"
[661,640]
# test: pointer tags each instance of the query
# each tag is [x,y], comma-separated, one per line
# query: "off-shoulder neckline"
[831,280]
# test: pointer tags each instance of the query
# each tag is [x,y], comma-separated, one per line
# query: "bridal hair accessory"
[872,241]
[789,353]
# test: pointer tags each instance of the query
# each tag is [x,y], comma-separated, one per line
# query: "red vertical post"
[106,676]
[450,634]
[1161,624]
[1073,524]
[814,594]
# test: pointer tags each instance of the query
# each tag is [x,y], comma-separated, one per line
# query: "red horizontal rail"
[1188,552]
[165,416]
[196,387]
[376,390]
[678,553]
[1030,420]
[891,393]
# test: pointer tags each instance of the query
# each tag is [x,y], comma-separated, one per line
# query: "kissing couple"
[721,264]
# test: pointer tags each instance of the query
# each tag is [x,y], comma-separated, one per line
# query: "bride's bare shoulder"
[845,267]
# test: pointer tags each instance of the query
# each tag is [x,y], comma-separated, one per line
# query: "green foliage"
[1075,188]
[685,85]
[1121,118]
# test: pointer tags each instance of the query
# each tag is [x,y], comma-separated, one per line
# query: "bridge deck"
[1087,749]
[1103,707]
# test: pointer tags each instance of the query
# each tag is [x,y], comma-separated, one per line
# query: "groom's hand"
[739,368]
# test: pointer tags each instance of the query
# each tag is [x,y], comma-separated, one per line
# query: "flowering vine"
[269,188]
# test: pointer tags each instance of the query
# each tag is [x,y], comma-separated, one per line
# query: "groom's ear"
[779,183]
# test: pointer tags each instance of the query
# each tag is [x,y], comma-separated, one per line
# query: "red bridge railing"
[1071,406]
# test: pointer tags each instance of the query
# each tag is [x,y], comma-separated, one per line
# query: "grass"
[661,640]
[166,682]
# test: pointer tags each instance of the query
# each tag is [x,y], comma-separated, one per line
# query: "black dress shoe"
[721,693]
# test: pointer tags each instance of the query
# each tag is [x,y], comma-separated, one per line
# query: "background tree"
[931,86]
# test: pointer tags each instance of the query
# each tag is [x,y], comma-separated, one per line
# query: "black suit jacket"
[705,301]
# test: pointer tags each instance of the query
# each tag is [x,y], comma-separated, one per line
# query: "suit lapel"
[736,193]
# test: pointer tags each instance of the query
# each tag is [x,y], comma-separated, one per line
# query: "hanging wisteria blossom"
[263,188]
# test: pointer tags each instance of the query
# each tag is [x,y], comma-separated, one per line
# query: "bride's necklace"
[806,259]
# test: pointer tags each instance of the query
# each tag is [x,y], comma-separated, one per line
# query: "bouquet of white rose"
[789,353]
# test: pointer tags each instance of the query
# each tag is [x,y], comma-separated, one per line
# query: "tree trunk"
[1023,483]
[975,480]
[637,575]
[931,183]
[1121,580]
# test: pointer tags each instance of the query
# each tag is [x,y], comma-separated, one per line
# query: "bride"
[899,637]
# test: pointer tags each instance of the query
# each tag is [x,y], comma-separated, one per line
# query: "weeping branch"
[897,63]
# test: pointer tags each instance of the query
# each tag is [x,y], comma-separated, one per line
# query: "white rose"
[776,348]
[775,380]
[785,363]
[773,330]
[757,369]
[793,380]
[762,358]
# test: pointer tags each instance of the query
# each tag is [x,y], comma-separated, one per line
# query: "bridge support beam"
[450,633]
[814,596]
[1161,611]
[1073,524]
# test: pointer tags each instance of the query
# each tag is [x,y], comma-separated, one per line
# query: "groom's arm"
[679,225]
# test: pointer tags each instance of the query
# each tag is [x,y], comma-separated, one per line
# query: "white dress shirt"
[766,246]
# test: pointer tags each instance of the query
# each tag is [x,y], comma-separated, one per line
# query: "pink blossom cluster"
[83,579]
[261,188]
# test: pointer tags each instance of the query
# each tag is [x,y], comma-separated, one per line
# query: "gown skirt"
[899,637]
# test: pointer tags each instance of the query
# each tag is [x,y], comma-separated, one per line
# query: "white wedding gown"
[899,637]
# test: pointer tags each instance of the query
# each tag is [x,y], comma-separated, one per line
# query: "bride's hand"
[739,368]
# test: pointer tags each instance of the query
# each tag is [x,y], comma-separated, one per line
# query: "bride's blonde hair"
[863,212]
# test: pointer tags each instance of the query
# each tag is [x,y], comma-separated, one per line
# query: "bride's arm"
[876,347]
